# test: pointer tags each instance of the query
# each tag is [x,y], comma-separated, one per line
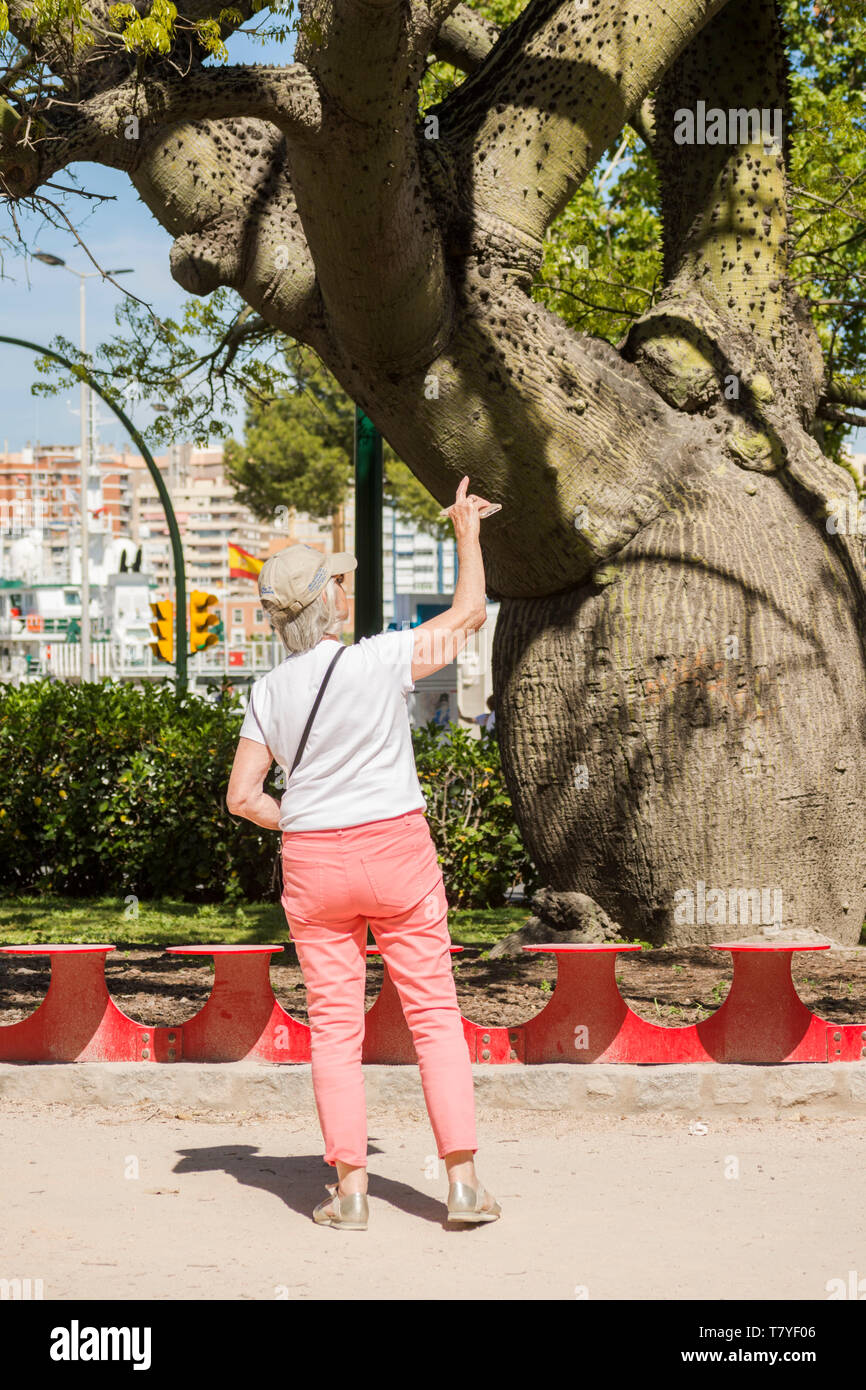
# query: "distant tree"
[297,451]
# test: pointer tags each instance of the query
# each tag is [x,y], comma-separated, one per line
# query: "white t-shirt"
[358,764]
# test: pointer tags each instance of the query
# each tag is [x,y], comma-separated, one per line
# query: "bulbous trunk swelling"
[700,719]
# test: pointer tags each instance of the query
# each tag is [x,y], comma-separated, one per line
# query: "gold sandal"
[464,1203]
[347,1213]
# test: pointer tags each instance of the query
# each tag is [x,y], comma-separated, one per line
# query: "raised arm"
[438,641]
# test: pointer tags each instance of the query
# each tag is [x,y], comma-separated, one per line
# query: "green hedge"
[116,789]
[470,816]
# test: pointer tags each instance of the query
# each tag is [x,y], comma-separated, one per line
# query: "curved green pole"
[176,547]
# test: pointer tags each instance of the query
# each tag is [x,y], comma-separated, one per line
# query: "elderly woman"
[356,848]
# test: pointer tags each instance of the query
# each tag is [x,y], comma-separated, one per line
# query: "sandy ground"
[140,1203]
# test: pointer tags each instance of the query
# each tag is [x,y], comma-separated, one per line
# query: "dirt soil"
[665,986]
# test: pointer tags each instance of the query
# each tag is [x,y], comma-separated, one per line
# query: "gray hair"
[302,631]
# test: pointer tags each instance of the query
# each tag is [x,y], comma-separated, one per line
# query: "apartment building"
[209,516]
[40,522]
[130,556]
[413,562]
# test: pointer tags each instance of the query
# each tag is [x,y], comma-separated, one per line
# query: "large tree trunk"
[699,718]
[679,657]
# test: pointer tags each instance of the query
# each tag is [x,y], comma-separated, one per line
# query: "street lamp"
[47,259]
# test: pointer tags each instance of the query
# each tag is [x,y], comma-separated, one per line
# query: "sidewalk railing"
[114,659]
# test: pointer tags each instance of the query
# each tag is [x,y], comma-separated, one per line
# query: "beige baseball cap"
[297,575]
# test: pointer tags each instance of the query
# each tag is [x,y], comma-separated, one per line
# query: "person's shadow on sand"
[294,1182]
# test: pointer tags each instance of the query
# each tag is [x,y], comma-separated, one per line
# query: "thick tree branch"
[844,393]
[841,417]
[394,307]
[465,39]
[591,418]
[724,203]
[111,126]
[239,200]
[555,91]
[222,189]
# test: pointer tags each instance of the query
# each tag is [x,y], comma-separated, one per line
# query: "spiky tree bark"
[679,655]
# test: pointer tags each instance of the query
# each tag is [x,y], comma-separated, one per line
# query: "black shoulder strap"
[303,743]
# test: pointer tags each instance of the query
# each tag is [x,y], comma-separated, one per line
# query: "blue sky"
[40,302]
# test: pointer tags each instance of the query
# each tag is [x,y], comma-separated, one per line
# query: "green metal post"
[180,667]
[368,527]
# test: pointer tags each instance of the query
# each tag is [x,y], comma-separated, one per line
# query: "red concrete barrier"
[586,1019]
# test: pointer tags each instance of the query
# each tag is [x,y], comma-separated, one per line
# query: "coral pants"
[386,873]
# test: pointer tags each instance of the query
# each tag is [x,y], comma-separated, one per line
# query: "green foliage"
[210,32]
[67,20]
[74,24]
[827,171]
[150,33]
[42,917]
[602,264]
[163,360]
[114,789]
[470,816]
[70,22]
[298,452]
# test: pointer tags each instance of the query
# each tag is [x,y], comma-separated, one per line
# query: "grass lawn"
[169,922]
[31,920]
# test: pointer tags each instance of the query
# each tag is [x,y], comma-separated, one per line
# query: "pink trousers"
[386,873]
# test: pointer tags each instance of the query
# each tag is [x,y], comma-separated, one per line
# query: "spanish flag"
[242,565]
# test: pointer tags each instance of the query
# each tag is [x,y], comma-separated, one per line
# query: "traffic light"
[163,630]
[201,620]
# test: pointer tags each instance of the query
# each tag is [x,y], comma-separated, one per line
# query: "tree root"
[559,917]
